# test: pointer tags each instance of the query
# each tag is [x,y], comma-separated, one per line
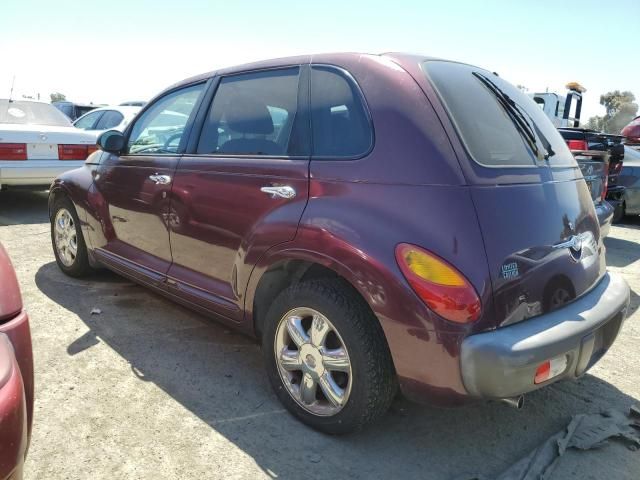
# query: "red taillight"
[91,149]
[615,168]
[13,151]
[443,288]
[577,145]
[605,185]
[72,152]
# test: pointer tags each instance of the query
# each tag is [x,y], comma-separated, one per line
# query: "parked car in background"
[632,131]
[600,156]
[133,103]
[73,110]
[630,179]
[38,143]
[455,253]
[106,118]
[16,375]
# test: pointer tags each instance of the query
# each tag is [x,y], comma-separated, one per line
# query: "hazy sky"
[116,50]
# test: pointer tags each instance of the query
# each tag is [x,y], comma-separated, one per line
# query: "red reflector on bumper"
[542,373]
[550,368]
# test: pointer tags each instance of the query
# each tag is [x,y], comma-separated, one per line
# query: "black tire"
[373,383]
[80,266]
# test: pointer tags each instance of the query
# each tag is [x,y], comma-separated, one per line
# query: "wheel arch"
[287,268]
[56,192]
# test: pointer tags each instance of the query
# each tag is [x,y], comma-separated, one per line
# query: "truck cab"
[563,111]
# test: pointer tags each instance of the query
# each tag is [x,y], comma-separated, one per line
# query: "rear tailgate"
[594,167]
[535,210]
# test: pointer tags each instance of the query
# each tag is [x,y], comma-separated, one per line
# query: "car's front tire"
[326,356]
[68,243]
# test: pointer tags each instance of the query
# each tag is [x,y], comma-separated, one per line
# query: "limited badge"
[509,270]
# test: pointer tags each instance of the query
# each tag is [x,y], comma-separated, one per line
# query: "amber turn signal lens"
[432,269]
[440,285]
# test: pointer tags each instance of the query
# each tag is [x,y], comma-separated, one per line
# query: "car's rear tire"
[68,243]
[326,356]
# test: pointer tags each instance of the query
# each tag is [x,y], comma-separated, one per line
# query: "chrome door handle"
[283,191]
[160,179]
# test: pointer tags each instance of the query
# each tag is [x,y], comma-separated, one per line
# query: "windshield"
[499,125]
[631,155]
[31,113]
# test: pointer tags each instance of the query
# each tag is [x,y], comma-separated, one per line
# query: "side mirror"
[111,141]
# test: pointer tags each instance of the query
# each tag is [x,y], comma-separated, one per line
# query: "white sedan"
[38,143]
[107,118]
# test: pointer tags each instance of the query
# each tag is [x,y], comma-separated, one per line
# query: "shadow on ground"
[218,375]
[23,207]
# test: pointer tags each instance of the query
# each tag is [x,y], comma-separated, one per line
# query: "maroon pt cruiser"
[375,220]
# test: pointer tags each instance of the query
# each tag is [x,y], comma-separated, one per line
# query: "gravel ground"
[149,390]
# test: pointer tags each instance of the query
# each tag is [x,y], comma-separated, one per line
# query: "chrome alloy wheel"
[313,361]
[66,238]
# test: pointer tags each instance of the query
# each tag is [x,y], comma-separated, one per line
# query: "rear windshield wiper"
[531,134]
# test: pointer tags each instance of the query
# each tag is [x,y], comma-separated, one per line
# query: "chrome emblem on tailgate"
[576,244]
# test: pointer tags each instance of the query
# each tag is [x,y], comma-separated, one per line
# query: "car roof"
[126,109]
[336,57]
[68,102]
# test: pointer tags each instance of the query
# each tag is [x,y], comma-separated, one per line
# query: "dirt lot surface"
[149,390]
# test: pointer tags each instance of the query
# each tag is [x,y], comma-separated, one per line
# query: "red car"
[378,221]
[16,374]
[632,131]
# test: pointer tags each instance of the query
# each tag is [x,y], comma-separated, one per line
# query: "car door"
[243,188]
[134,187]
[110,119]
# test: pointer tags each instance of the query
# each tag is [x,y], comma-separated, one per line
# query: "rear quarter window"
[341,127]
[485,127]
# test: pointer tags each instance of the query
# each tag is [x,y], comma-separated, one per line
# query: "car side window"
[88,121]
[253,114]
[159,129]
[110,119]
[340,122]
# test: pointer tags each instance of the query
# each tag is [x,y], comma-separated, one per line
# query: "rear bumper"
[503,363]
[615,194]
[13,417]
[19,334]
[605,216]
[34,172]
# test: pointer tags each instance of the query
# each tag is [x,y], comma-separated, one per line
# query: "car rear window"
[32,113]
[499,125]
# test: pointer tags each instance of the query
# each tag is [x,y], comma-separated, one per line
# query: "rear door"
[535,210]
[88,121]
[243,189]
[110,119]
[135,187]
